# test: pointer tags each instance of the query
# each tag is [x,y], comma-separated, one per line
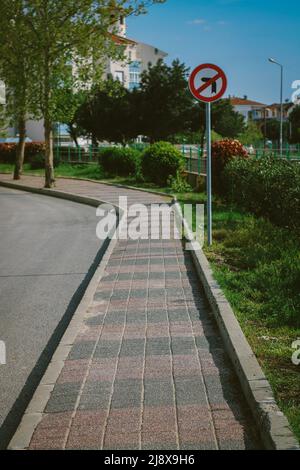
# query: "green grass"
[258,268]
[89,171]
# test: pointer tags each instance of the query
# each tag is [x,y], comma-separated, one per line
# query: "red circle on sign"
[194,90]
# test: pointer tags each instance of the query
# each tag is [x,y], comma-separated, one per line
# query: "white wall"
[35,130]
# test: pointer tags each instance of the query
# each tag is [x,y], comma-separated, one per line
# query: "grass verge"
[258,267]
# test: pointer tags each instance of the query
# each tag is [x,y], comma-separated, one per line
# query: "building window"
[119,75]
[134,77]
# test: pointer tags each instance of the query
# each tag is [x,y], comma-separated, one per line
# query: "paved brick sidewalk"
[148,369]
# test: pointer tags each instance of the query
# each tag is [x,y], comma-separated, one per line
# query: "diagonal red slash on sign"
[209,83]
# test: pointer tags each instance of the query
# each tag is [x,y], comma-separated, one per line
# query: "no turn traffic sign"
[208,83]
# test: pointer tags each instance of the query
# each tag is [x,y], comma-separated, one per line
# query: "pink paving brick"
[159,419]
[124,421]
[130,368]
[102,370]
[123,441]
[158,366]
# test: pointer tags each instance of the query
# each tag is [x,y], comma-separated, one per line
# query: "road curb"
[272,424]
[34,411]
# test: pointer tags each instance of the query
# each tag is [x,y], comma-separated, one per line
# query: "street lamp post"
[273,61]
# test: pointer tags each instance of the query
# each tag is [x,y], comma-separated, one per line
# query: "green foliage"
[295,123]
[225,120]
[8,151]
[109,113]
[178,184]
[266,187]
[164,101]
[160,162]
[224,151]
[120,161]
[38,162]
[251,135]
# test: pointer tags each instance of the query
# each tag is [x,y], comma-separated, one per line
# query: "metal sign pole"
[209,174]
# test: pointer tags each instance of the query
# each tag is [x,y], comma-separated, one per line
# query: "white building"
[247,108]
[138,57]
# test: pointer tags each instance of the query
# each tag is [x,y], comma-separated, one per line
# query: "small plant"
[160,162]
[178,184]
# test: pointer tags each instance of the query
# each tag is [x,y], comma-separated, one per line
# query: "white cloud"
[197,21]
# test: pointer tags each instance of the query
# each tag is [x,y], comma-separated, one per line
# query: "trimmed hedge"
[266,187]
[8,151]
[120,161]
[160,162]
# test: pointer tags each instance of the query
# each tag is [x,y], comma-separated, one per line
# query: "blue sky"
[237,35]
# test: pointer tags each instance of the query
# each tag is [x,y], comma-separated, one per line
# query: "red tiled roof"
[121,40]
[244,102]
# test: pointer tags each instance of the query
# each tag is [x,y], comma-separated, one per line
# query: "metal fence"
[195,158]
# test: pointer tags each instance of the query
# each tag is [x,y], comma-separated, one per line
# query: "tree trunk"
[49,170]
[20,148]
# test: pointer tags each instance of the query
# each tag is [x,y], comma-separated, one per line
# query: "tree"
[271,129]
[16,72]
[295,125]
[110,113]
[164,101]
[225,121]
[73,34]
[252,134]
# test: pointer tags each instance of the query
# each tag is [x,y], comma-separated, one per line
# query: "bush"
[160,162]
[223,152]
[120,161]
[179,184]
[267,187]
[8,151]
[38,162]
[32,149]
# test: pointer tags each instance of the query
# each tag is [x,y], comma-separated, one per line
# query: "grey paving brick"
[116,317]
[222,389]
[140,276]
[134,316]
[190,391]
[157,316]
[138,293]
[81,350]
[120,294]
[183,346]
[158,347]
[127,394]
[133,347]
[209,342]
[159,392]
[106,349]
[96,396]
[96,321]
[178,315]
[63,398]
[156,275]
[156,293]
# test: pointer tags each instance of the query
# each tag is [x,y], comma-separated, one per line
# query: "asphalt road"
[48,253]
